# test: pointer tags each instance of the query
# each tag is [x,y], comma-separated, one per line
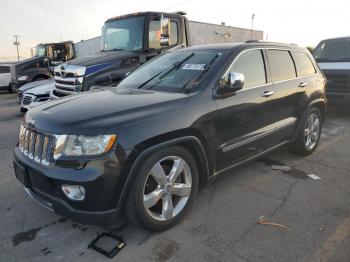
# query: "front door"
[244,124]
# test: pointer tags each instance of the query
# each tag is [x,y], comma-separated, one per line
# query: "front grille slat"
[31,145]
[26,142]
[36,145]
[38,148]
[44,159]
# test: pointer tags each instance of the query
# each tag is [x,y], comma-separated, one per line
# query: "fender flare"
[303,115]
[133,170]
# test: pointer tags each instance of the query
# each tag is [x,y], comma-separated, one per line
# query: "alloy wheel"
[167,188]
[312,131]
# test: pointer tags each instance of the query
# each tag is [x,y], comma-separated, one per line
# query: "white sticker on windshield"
[199,67]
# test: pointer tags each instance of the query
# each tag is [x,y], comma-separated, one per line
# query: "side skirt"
[250,158]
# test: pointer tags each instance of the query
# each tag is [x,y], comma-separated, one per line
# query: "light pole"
[251,30]
[16,43]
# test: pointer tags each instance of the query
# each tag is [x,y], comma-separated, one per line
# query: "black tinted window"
[333,50]
[251,65]
[281,65]
[303,64]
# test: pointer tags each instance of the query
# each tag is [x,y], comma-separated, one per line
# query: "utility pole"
[16,43]
[251,30]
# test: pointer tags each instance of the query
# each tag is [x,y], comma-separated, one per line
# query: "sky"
[303,22]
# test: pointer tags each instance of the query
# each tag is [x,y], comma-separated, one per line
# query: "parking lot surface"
[222,226]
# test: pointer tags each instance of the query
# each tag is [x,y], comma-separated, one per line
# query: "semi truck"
[38,67]
[128,41]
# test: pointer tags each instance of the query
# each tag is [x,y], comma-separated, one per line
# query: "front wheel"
[164,189]
[309,135]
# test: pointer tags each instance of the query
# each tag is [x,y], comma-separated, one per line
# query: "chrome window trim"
[291,121]
[266,62]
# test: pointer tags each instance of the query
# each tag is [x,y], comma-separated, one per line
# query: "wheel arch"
[320,104]
[193,143]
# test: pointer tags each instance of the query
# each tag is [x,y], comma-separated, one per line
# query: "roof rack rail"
[252,41]
[267,42]
[180,13]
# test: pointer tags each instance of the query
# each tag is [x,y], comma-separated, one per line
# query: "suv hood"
[34,84]
[102,111]
[45,88]
[102,57]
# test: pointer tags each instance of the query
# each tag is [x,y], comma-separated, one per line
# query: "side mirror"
[164,31]
[235,82]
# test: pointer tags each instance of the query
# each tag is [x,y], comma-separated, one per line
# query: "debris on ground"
[314,177]
[263,221]
[107,244]
[281,168]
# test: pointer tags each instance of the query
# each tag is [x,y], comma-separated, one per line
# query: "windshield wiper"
[113,49]
[166,71]
[184,88]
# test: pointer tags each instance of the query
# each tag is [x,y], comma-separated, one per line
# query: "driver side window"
[154,34]
[251,65]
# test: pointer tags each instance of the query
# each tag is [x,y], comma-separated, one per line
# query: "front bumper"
[99,178]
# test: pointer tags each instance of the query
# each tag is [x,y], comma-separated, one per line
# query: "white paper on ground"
[314,177]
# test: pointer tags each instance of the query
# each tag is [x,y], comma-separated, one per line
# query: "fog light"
[74,192]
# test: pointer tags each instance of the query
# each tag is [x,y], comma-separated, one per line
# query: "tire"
[149,199]
[11,89]
[307,140]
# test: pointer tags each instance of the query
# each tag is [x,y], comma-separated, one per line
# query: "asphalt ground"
[222,226]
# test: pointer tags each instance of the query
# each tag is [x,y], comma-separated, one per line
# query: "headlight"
[22,78]
[79,80]
[72,145]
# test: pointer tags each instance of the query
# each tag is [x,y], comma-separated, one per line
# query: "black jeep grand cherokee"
[142,148]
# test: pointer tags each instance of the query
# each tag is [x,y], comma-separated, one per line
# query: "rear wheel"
[164,189]
[309,135]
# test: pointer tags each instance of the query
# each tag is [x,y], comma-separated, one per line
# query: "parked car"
[5,76]
[35,93]
[142,148]
[333,57]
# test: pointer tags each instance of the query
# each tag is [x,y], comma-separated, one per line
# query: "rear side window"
[303,64]
[251,65]
[281,65]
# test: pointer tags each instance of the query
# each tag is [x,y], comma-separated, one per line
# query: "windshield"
[40,50]
[172,72]
[123,34]
[333,50]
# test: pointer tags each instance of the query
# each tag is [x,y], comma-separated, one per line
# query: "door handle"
[303,84]
[267,93]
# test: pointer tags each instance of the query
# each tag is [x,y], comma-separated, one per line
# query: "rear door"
[244,126]
[287,94]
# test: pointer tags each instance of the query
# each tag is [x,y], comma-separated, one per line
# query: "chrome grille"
[27,99]
[36,145]
[19,96]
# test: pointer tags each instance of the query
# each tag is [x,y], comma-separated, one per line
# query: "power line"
[175,5]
